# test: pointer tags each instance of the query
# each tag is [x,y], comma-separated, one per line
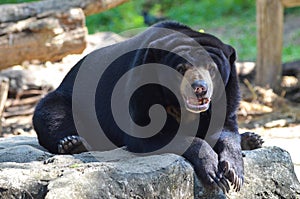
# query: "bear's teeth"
[201,102]
[197,101]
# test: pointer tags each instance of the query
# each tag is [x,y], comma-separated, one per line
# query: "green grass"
[116,19]
[291,48]
[233,21]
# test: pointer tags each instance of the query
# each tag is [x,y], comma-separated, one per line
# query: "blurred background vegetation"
[233,21]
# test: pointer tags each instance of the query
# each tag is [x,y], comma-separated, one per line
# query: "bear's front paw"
[207,170]
[72,144]
[232,165]
[205,162]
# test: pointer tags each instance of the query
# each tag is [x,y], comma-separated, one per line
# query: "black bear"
[169,88]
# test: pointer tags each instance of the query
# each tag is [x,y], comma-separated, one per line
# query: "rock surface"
[28,171]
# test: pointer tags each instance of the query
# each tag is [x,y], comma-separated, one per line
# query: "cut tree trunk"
[45,30]
[46,38]
[17,12]
[269,17]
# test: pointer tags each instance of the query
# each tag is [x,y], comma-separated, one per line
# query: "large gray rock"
[28,171]
[269,173]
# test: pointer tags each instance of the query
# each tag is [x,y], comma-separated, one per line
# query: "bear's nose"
[199,87]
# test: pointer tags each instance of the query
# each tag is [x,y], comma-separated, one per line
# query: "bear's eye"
[181,69]
[212,71]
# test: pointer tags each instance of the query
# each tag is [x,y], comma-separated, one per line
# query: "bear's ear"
[232,56]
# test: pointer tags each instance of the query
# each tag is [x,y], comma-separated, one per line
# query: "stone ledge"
[28,171]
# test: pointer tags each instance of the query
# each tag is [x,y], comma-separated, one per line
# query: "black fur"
[54,123]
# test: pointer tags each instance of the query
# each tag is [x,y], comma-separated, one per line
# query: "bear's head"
[197,86]
[204,62]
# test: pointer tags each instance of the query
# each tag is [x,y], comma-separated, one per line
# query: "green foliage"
[291,48]
[234,21]
[190,12]
[293,10]
[207,10]
[119,19]
[231,20]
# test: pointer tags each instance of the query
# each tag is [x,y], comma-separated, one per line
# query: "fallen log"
[17,12]
[45,30]
[247,69]
[46,38]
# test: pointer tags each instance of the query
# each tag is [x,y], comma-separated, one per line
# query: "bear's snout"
[200,87]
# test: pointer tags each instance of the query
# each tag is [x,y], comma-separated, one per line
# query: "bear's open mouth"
[197,105]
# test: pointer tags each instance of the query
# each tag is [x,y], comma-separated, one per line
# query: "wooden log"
[269,43]
[290,3]
[247,69]
[17,12]
[47,38]
[45,30]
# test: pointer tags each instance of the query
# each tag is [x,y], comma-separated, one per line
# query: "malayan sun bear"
[170,75]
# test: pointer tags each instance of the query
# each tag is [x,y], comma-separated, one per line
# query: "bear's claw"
[223,184]
[71,145]
[250,141]
[236,180]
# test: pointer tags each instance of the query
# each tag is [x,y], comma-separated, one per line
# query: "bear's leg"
[230,158]
[205,162]
[250,141]
[54,125]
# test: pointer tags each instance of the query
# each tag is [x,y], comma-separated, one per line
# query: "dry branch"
[25,101]
[19,112]
[4,86]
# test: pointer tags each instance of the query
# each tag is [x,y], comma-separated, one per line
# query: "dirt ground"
[278,128]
